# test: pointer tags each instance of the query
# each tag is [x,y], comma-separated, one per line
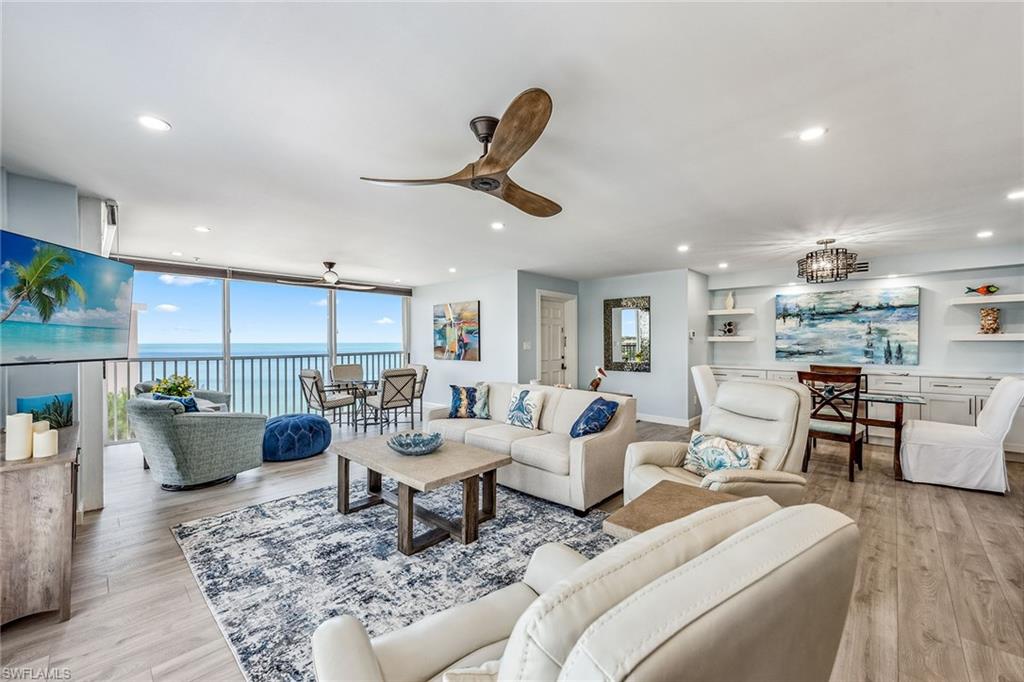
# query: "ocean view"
[193,350]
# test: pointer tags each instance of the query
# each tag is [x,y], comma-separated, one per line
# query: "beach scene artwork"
[857,326]
[61,304]
[56,409]
[457,331]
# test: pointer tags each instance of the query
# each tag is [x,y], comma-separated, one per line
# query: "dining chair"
[347,374]
[318,398]
[421,382]
[394,394]
[831,392]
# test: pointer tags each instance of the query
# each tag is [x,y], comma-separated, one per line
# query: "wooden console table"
[37,525]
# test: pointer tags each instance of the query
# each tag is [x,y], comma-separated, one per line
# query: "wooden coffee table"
[666,501]
[452,463]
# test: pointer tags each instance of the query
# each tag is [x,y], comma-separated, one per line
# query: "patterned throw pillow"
[524,410]
[188,403]
[709,453]
[483,401]
[464,402]
[594,418]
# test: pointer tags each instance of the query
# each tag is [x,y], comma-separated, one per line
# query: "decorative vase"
[728,328]
[989,321]
[730,301]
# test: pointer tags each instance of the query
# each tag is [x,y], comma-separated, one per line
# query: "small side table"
[666,501]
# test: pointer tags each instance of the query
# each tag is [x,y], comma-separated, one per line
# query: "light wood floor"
[939,592]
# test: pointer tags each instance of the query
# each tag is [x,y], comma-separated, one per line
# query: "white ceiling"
[672,124]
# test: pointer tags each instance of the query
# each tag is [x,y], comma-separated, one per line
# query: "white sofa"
[738,591]
[547,462]
[773,414]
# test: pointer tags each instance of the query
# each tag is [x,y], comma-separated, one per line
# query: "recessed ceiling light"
[397,281]
[891,275]
[497,226]
[154,123]
[201,228]
[813,133]
[1016,194]
[177,253]
[790,284]
[985,234]
[683,248]
[451,269]
[723,265]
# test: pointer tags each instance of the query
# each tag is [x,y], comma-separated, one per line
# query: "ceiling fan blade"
[464,174]
[355,287]
[518,128]
[528,202]
[301,280]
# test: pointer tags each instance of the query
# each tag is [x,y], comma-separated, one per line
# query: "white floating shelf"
[734,339]
[734,311]
[1006,336]
[987,300]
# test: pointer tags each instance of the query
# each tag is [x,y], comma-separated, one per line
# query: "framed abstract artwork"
[457,331]
[857,326]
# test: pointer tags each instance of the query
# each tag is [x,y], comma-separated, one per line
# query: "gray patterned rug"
[273,572]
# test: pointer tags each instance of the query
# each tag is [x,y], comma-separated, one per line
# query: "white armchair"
[772,414]
[665,601]
[964,456]
[707,388]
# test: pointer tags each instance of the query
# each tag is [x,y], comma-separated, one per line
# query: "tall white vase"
[730,301]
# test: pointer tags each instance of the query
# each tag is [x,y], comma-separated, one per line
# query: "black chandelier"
[828,264]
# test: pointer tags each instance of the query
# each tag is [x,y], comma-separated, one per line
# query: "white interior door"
[552,342]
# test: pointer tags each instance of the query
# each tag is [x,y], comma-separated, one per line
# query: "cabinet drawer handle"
[750,376]
[893,383]
[947,385]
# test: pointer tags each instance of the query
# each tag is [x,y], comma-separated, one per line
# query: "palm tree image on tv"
[59,304]
[42,284]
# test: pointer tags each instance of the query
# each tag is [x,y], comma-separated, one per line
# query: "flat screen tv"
[60,304]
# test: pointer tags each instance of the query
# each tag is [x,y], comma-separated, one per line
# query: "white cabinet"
[737,374]
[950,409]
[782,376]
[888,411]
[1015,438]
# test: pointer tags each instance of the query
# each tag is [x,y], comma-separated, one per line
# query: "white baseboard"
[658,419]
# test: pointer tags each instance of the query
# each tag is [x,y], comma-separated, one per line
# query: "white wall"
[498,333]
[938,321]
[697,303]
[528,283]
[662,393]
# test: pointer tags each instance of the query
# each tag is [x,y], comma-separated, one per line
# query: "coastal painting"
[61,304]
[857,326]
[457,331]
[56,409]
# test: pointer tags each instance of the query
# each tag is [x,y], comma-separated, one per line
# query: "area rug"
[273,572]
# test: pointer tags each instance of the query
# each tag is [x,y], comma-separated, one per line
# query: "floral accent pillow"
[483,401]
[709,453]
[594,418]
[524,410]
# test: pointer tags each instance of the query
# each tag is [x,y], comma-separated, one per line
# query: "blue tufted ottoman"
[295,436]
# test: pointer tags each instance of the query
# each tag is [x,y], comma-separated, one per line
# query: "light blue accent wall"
[528,283]
[661,393]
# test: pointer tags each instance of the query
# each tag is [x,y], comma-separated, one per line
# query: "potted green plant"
[175,385]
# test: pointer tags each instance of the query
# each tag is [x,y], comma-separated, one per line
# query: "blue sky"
[187,310]
[107,284]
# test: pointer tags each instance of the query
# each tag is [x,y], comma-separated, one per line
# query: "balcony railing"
[264,384]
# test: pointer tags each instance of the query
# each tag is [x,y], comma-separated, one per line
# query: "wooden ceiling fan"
[505,141]
[330,279]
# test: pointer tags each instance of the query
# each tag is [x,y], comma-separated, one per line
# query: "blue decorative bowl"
[415,444]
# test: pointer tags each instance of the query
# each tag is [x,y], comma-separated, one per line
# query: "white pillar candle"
[18,443]
[39,427]
[44,444]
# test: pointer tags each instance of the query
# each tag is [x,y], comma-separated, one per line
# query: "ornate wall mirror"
[627,334]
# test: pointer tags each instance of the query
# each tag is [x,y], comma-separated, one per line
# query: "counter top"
[67,451]
[879,371]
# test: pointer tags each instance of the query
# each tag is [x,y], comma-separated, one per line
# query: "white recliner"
[964,456]
[772,414]
[744,590]
[707,388]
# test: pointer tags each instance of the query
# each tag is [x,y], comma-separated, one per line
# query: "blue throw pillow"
[594,418]
[463,402]
[188,403]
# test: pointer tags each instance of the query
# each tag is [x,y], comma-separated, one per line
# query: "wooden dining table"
[897,400]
